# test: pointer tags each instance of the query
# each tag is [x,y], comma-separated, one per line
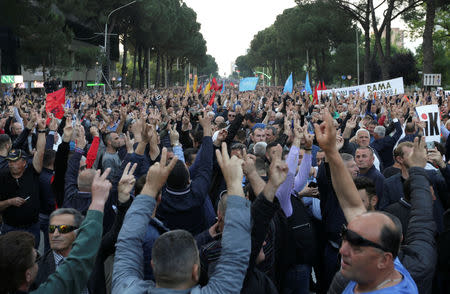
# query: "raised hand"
[417,158]
[129,143]
[157,175]
[231,170]
[100,190]
[126,183]
[53,124]
[174,136]
[309,138]
[205,122]
[68,130]
[326,134]
[81,138]
[435,157]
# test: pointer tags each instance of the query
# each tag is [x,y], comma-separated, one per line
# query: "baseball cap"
[15,154]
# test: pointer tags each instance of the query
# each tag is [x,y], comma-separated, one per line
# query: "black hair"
[188,155]
[363,183]
[4,139]
[390,238]
[179,177]
[49,157]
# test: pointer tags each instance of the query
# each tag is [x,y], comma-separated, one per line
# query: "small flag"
[307,85]
[214,84]
[288,86]
[323,86]
[211,101]
[316,98]
[194,86]
[54,103]
[208,87]
[319,88]
[188,89]
[231,84]
[223,88]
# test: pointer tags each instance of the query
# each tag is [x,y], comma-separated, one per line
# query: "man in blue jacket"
[175,259]
[183,197]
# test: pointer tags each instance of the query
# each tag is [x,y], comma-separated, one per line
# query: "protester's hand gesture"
[94,131]
[40,124]
[205,122]
[418,158]
[326,134]
[100,190]
[174,136]
[248,166]
[126,183]
[309,138]
[68,130]
[231,170]
[435,157]
[157,175]
[81,138]
[278,170]
[339,142]
[53,124]
[351,123]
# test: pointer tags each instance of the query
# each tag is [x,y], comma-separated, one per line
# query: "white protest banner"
[388,87]
[430,115]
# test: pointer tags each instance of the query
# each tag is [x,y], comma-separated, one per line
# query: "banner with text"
[430,115]
[388,87]
[248,84]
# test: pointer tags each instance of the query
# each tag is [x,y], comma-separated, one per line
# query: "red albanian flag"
[54,103]
[323,86]
[231,84]
[214,84]
[211,101]
[199,89]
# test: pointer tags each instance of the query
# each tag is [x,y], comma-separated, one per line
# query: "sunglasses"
[355,239]
[62,229]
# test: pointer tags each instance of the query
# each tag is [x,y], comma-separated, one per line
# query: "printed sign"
[388,87]
[431,79]
[430,115]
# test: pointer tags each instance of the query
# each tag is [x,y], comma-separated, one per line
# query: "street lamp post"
[106,30]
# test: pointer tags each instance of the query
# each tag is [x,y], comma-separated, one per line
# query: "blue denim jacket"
[229,275]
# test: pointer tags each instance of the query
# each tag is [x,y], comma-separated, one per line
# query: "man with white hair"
[384,145]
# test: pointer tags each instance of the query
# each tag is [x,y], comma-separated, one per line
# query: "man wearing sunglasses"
[370,250]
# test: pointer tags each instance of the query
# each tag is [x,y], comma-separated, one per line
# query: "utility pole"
[357,55]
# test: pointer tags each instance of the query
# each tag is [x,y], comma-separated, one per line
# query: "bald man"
[370,244]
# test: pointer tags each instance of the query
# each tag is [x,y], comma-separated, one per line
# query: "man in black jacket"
[419,254]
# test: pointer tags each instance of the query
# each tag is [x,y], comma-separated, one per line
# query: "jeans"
[297,279]
[44,221]
[33,229]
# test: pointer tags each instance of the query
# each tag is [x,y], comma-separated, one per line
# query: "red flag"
[214,84]
[231,84]
[211,101]
[54,103]
[199,89]
[323,86]
[319,88]
[316,98]
[219,88]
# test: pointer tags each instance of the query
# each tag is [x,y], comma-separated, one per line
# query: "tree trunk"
[141,76]
[145,68]
[427,45]
[133,81]
[157,75]
[366,27]
[171,69]
[124,61]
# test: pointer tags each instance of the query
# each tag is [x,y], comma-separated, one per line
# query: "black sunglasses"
[62,229]
[355,239]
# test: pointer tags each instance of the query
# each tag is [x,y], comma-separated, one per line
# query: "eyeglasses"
[355,239]
[232,115]
[62,229]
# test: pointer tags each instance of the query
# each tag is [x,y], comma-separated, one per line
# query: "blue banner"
[288,86]
[248,84]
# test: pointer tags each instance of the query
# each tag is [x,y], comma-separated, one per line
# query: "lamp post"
[106,30]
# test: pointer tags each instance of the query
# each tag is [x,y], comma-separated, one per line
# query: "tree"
[404,65]
[86,58]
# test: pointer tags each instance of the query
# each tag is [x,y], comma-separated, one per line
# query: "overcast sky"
[228,26]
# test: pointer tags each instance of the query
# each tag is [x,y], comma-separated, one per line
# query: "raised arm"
[229,274]
[303,172]
[72,275]
[128,262]
[38,158]
[342,181]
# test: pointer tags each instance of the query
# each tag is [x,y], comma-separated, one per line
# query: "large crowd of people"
[165,191]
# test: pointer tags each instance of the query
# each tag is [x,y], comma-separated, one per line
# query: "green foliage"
[210,67]
[404,65]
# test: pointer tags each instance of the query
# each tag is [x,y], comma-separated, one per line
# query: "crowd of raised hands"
[259,192]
